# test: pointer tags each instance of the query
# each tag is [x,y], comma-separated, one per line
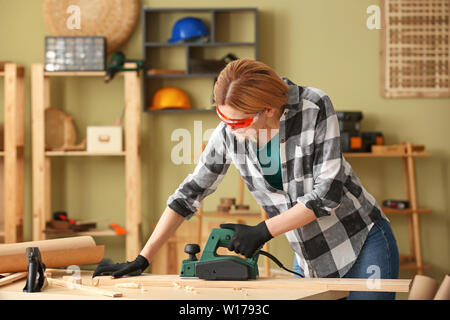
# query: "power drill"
[116,65]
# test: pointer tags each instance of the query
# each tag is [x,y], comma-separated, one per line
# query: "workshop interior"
[107,105]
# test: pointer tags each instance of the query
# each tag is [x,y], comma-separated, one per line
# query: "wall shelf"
[201,44]
[414,260]
[384,155]
[230,29]
[83,154]
[41,168]
[181,111]
[182,75]
[92,233]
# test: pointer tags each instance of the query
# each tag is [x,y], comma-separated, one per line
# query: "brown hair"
[250,86]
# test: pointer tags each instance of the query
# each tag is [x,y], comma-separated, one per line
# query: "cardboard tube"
[444,290]
[47,245]
[423,288]
[55,253]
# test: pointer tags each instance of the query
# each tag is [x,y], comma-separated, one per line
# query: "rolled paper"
[54,253]
[423,288]
[444,290]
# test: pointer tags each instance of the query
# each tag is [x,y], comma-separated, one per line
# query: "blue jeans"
[378,259]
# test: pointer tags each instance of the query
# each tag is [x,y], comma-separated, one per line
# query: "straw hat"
[113,19]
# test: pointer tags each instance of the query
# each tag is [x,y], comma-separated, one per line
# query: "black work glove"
[247,239]
[117,270]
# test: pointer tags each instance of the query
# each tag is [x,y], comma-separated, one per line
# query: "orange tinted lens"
[241,123]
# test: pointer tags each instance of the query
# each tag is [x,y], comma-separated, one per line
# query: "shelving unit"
[227,28]
[41,171]
[13,153]
[414,260]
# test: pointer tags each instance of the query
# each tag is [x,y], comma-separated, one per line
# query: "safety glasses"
[238,123]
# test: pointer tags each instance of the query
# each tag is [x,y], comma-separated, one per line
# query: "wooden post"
[20,142]
[13,140]
[265,248]
[200,215]
[199,224]
[38,103]
[415,215]
[133,163]
[240,199]
[408,198]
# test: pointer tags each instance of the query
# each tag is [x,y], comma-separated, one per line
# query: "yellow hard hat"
[170,97]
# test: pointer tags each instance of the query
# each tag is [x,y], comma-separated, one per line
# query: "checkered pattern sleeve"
[209,172]
[328,171]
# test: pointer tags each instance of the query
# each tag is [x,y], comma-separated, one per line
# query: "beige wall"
[319,43]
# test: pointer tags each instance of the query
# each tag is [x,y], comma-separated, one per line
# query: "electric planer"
[212,266]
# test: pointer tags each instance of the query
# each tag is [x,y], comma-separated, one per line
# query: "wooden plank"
[384,285]
[88,289]
[215,214]
[83,153]
[264,216]
[415,216]
[12,277]
[75,74]
[405,211]
[14,291]
[20,145]
[38,148]
[10,141]
[133,242]
[383,155]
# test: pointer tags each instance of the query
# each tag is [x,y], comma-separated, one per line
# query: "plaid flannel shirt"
[314,172]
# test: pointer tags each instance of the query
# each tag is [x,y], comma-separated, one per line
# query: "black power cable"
[271,257]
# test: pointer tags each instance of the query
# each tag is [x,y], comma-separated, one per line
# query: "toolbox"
[352,138]
[349,121]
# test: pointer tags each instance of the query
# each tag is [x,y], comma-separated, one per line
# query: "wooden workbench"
[146,292]
[171,287]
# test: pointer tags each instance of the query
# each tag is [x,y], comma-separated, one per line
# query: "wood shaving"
[127,285]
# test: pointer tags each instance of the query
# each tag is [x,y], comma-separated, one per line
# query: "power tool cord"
[271,257]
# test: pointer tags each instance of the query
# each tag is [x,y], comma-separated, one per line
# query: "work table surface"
[173,291]
[172,287]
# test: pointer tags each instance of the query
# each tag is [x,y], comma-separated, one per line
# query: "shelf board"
[252,215]
[200,44]
[383,155]
[181,75]
[168,10]
[2,153]
[405,211]
[75,73]
[83,153]
[93,233]
[409,263]
[412,266]
[2,73]
[181,111]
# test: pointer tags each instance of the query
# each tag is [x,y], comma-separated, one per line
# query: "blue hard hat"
[188,28]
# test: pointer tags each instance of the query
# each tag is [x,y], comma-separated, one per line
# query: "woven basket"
[113,19]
